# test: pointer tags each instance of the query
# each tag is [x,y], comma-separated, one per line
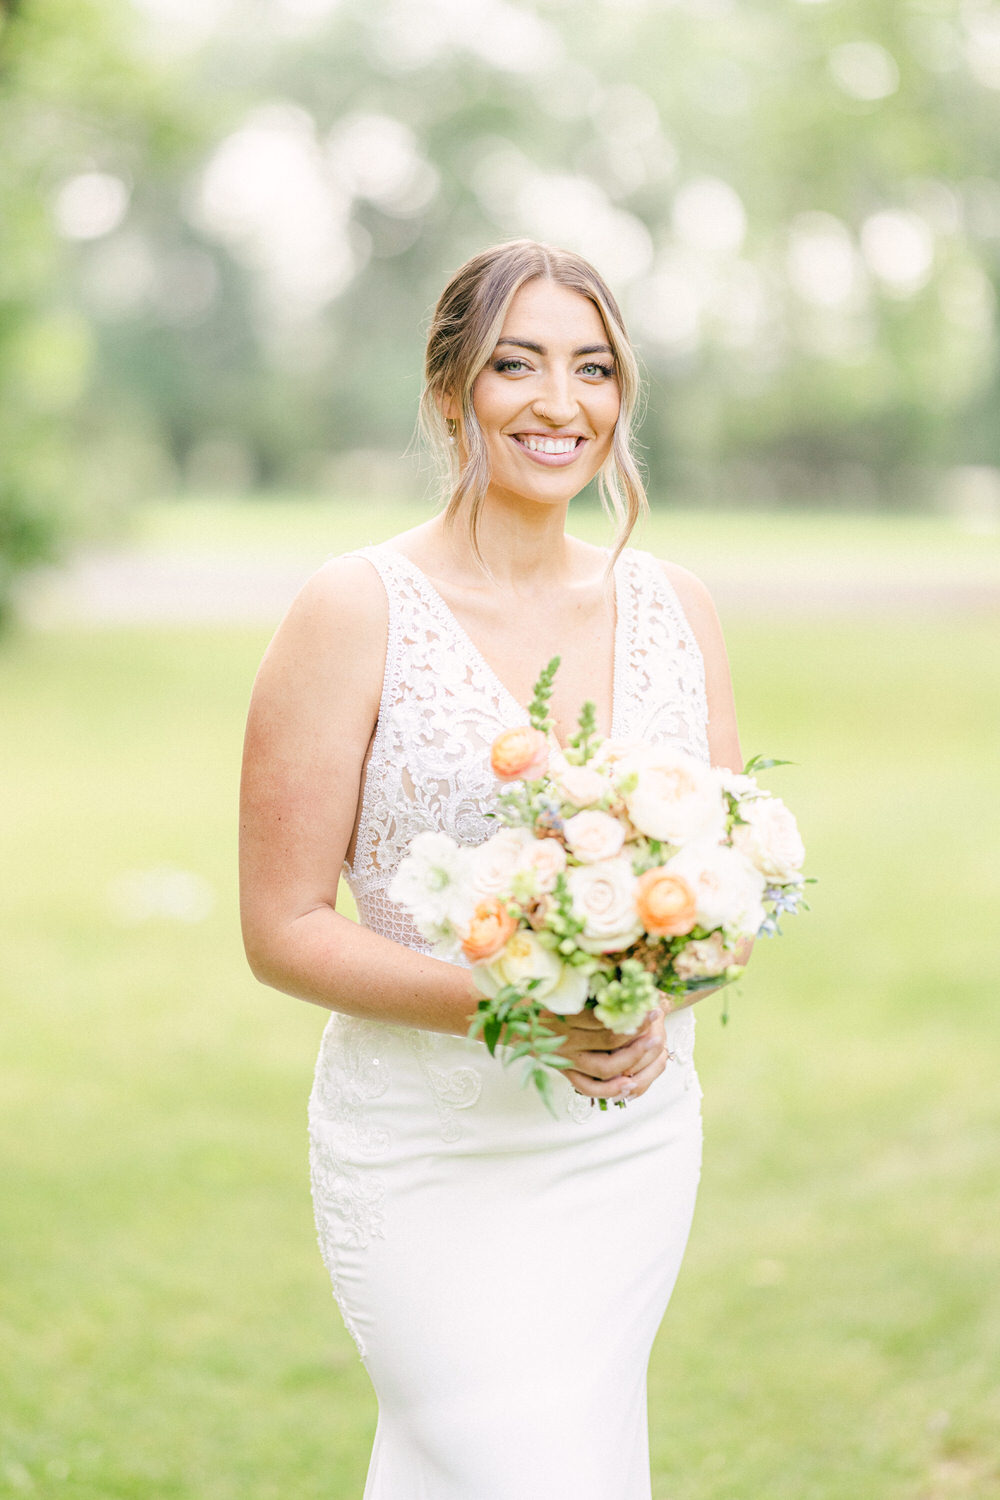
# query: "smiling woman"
[503,1271]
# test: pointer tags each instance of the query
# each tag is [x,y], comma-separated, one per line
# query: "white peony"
[561,988]
[433,883]
[604,901]
[492,864]
[770,839]
[676,798]
[727,888]
[594,835]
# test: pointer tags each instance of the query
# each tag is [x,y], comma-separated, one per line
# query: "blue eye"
[503,366]
[605,370]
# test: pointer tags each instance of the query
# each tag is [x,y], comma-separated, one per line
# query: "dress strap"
[659,664]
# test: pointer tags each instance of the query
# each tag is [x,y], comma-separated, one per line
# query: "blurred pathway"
[140,587]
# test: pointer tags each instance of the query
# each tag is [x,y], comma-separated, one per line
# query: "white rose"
[770,839]
[582,785]
[561,988]
[594,835]
[493,863]
[727,888]
[704,959]
[546,859]
[433,883]
[604,901]
[677,798]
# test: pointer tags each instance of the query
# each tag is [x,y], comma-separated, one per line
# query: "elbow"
[264,949]
[260,956]
[286,955]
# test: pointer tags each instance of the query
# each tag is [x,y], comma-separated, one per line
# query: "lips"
[548,449]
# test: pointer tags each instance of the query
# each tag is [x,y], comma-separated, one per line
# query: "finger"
[596,1088]
[603,1040]
[647,1075]
[620,1062]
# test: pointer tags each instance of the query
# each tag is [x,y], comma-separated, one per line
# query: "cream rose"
[582,786]
[705,959]
[770,839]
[727,888]
[592,836]
[546,859]
[561,988]
[604,900]
[493,863]
[676,798]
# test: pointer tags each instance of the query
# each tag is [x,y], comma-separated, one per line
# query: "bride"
[503,1272]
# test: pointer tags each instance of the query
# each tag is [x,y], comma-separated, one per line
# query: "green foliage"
[581,746]
[538,709]
[512,1017]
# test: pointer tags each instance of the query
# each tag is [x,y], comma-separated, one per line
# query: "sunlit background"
[223,224]
[226,222]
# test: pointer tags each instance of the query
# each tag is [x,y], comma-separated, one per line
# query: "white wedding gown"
[502,1272]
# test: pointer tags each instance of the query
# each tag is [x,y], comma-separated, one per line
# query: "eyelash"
[503,366]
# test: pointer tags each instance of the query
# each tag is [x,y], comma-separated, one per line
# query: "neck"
[523,545]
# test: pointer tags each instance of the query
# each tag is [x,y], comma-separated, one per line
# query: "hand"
[607,1065]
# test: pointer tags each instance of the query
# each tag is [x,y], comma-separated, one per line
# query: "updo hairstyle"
[466,325]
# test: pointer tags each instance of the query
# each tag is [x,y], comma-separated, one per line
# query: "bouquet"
[623,871]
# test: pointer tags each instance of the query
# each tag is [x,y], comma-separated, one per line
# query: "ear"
[449,408]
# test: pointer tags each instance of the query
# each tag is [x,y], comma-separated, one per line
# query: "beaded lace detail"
[442,706]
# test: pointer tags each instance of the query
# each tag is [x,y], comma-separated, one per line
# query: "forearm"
[330,961]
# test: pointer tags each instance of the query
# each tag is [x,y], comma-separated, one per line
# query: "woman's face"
[548,400]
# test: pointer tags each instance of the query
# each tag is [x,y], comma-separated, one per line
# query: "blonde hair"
[464,330]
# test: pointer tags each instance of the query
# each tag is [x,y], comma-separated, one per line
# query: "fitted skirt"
[503,1272]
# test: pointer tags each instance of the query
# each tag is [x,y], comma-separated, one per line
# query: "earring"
[452,427]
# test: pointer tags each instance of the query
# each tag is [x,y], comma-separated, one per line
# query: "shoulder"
[333,635]
[343,602]
[694,597]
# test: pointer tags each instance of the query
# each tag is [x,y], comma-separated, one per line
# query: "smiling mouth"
[534,443]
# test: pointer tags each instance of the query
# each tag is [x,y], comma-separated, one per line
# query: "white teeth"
[548,445]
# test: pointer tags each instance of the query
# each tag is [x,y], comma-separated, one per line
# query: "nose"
[556,403]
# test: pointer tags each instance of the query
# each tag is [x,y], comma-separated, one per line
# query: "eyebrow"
[538,348]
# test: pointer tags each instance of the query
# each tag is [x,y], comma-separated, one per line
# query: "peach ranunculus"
[520,754]
[666,903]
[490,927]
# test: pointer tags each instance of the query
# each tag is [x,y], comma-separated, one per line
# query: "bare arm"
[312,714]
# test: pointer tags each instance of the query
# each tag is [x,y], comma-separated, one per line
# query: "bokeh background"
[224,223]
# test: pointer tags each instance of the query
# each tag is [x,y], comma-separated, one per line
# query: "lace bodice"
[442,706]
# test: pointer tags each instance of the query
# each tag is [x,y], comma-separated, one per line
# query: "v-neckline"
[422,580]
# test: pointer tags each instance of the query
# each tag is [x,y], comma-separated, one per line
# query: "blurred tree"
[230,220]
[79,117]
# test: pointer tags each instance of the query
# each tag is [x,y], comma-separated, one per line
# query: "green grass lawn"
[907,547]
[167,1326]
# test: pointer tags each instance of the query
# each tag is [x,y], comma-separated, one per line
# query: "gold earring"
[452,427]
